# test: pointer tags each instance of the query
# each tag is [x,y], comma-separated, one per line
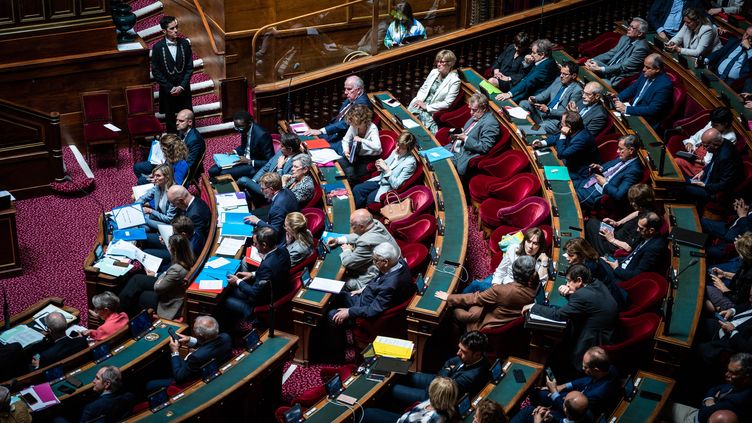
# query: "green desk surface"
[455,213]
[641,408]
[121,359]
[330,412]
[224,384]
[474,78]
[507,388]
[689,292]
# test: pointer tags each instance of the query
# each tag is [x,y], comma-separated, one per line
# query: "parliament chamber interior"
[376,211]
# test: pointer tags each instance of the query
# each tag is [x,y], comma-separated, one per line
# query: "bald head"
[184,120]
[575,405]
[56,325]
[711,139]
[723,416]
[361,221]
[179,197]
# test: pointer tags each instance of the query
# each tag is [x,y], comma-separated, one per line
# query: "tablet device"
[101,352]
[252,340]
[629,389]
[209,371]
[305,277]
[463,406]
[334,386]
[294,414]
[140,324]
[496,372]
[420,283]
[158,400]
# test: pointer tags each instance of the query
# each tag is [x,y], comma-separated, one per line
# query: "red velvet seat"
[509,163]
[506,340]
[96,112]
[422,198]
[416,256]
[453,116]
[510,190]
[505,194]
[388,143]
[600,44]
[312,395]
[422,229]
[442,135]
[499,148]
[315,218]
[689,126]
[607,150]
[282,307]
[633,340]
[644,293]
[606,133]
[139,102]
[528,213]
[677,106]
[414,180]
[318,194]
[392,322]
[275,142]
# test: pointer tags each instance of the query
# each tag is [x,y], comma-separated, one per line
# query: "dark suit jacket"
[200,215]
[383,292]
[660,9]
[61,349]
[619,184]
[274,269]
[196,150]
[645,258]
[537,79]
[718,56]
[655,103]
[725,169]
[271,166]
[189,368]
[337,128]
[262,148]
[737,401]
[577,152]
[591,311]
[595,119]
[15,362]
[629,63]
[470,379]
[741,341]
[600,393]
[114,407]
[282,204]
[164,67]
[510,66]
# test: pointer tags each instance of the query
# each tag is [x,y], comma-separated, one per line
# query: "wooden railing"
[205,24]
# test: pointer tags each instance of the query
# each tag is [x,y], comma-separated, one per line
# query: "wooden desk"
[508,393]
[356,386]
[675,341]
[255,375]
[642,409]
[425,312]
[10,255]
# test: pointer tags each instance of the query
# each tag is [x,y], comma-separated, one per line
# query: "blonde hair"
[166,171]
[443,393]
[174,148]
[358,115]
[446,56]
[299,228]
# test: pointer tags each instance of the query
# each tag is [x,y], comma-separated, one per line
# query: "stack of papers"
[299,127]
[107,266]
[213,276]
[126,249]
[129,215]
[409,123]
[141,190]
[226,161]
[22,334]
[517,112]
[231,200]
[324,155]
[326,285]
[252,256]
[42,394]
[393,347]
[229,246]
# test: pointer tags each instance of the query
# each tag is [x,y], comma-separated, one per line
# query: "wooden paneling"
[24,48]
[31,14]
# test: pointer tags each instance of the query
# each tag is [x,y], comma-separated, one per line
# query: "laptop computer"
[140,324]
[158,400]
[334,386]
[101,353]
[252,340]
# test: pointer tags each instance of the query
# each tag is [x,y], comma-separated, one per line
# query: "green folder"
[556,173]
[489,87]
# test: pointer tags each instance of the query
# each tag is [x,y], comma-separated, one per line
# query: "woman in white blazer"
[395,170]
[161,211]
[697,37]
[439,90]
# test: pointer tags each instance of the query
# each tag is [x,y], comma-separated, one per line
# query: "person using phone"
[479,134]
[613,178]
[394,172]
[721,118]
[107,307]
[551,103]
[593,392]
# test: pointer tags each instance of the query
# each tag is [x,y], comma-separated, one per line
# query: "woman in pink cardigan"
[106,306]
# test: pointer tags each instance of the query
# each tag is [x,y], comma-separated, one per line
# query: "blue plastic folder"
[133,234]
[437,153]
[234,217]
[221,273]
[331,186]
[237,229]
[556,173]
[226,160]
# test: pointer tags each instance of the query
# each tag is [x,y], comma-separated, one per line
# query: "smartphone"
[519,376]
[173,334]
[721,318]
[29,398]
[550,373]
[74,381]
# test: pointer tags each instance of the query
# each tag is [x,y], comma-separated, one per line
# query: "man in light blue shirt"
[731,62]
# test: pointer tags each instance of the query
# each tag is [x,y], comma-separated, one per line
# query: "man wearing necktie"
[551,104]
[594,115]
[732,61]
[614,177]
[648,255]
[172,67]
[336,129]
[479,134]
[734,395]
[732,332]
[650,96]
[255,149]
[626,57]
[718,176]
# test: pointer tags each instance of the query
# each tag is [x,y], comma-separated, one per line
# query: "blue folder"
[226,160]
[556,173]
[437,153]
[237,229]
[132,234]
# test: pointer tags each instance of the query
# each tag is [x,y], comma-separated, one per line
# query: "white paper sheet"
[165,231]
[327,285]
[112,127]
[409,123]
[518,112]
[210,284]
[229,246]
[140,190]
[216,263]
[324,155]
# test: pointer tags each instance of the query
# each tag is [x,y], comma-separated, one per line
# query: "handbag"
[395,208]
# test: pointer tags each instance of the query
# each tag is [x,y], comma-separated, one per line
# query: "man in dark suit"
[479,134]
[626,58]
[575,146]
[665,16]
[734,395]
[282,200]
[112,405]
[726,232]
[207,344]
[172,67]
[280,163]
[15,362]
[600,386]
[62,345]
[191,206]
[270,281]
[732,61]
[594,115]
[651,95]
[613,178]
[392,286]
[648,255]
[549,105]
[720,175]
[733,334]
[540,76]
[335,130]
[469,369]
[591,310]
[255,148]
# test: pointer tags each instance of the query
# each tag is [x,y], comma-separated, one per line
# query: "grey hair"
[304,159]
[106,300]
[112,374]
[523,269]
[596,87]
[206,327]
[745,361]
[544,46]
[356,81]
[386,251]
[643,24]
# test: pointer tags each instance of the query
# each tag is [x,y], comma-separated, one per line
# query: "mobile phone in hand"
[173,334]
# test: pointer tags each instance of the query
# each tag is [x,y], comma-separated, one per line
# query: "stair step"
[148,9]
[216,128]
[150,31]
[196,87]
[199,109]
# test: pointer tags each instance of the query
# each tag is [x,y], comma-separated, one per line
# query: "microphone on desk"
[668,308]
[295,67]
[675,277]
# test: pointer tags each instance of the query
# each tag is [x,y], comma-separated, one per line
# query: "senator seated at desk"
[106,307]
[191,206]
[182,225]
[594,115]
[282,201]
[625,59]
[721,119]
[361,144]
[650,254]
[298,238]
[548,106]
[18,412]
[590,309]
[575,146]
[613,178]
[299,180]
[732,61]
[725,233]
[357,248]
[650,96]
[207,344]
[157,210]
[665,16]
[62,345]
[112,403]
[543,71]
[479,134]
[269,282]
[510,66]
[718,176]
[499,304]
[733,334]
[698,37]
[599,387]
[579,251]
[438,92]
[255,148]
[393,172]
[281,162]
[440,407]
